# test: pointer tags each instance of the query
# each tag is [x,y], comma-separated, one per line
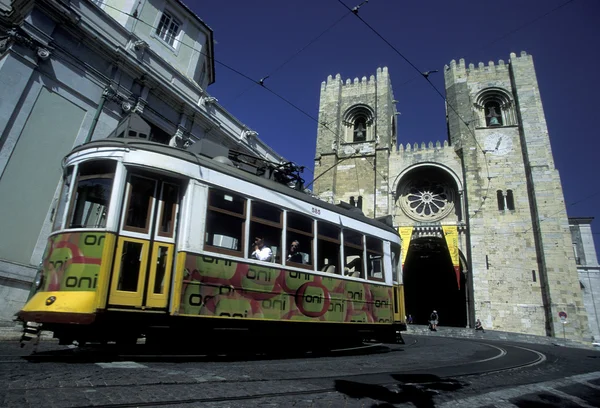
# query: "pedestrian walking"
[433,321]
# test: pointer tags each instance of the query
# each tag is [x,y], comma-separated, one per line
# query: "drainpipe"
[88,138]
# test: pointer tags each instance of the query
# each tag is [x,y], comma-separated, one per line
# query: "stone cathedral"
[482,215]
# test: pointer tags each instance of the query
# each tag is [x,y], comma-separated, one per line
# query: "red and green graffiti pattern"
[72,261]
[219,287]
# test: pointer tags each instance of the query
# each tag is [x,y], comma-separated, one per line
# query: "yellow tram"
[150,240]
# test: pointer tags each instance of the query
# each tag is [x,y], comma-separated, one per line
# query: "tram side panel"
[218,287]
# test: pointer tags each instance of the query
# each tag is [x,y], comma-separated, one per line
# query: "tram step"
[31,330]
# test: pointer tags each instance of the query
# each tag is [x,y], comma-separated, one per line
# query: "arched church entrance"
[430,283]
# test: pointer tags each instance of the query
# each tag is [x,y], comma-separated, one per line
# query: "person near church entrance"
[261,252]
[433,321]
[409,319]
[479,326]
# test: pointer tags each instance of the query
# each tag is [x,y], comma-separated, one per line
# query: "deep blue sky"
[256,37]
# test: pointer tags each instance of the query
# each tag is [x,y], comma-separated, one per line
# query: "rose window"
[426,200]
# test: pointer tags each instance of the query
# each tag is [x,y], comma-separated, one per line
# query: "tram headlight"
[39,279]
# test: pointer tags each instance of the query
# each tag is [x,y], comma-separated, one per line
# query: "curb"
[468,333]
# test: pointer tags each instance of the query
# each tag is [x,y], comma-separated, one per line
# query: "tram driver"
[261,251]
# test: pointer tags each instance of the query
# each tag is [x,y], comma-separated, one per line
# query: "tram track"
[525,357]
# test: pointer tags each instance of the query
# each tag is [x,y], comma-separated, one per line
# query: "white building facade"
[69,73]
[588,269]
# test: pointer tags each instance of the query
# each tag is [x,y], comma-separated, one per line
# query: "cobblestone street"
[427,371]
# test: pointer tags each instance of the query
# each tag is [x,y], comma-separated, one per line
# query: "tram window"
[374,258]
[266,221]
[300,232]
[227,201]
[353,254]
[266,212]
[395,261]
[225,220]
[328,248]
[299,222]
[130,266]
[139,206]
[92,194]
[161,268]
[170,198]
[63,199]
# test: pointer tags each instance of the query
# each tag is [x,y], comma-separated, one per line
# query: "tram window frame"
[395,258]
[62,205]
[374,248]
[328,237]
[264,224]
[300,228]
[74,199]
[215,211]
[151,202]
[173,210]
[354,250]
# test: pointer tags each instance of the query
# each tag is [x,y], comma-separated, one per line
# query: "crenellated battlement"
[338,81]
[460,67]
[416,148]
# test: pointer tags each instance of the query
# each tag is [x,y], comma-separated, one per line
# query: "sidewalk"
[10,331]
[462,332]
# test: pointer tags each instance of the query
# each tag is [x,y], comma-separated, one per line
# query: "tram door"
[146,244]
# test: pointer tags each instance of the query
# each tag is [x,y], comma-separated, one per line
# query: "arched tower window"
[500,198]
[360,129]
[495,107]
[493,114]
[510,200]
[358,122]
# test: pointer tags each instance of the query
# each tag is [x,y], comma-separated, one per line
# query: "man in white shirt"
[261,252]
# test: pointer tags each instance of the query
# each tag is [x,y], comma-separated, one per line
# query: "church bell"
[493,117]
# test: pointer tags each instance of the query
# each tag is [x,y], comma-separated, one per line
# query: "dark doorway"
[430,284]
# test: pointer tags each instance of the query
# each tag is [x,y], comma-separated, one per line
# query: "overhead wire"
[247,76]
[426,77]
[290,58]
[201,52]
[218,62]
[355,12]
[356,154]
[243,75]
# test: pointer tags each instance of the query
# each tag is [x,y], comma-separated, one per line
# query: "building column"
[15,73]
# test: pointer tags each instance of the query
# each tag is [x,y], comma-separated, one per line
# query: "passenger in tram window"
[294,255]
[261,251]
[354,267]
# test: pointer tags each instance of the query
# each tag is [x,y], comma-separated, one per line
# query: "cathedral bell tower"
[357,132]
[522,261]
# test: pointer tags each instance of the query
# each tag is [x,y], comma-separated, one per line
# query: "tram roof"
[230,170]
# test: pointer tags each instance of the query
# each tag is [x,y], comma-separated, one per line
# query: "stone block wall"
[521,265]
